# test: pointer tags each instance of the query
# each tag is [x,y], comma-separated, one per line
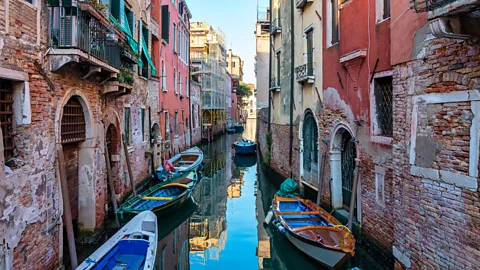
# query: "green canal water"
[221,227]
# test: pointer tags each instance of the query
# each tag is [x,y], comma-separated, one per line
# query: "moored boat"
[159,199]
[132,247]
[245,147]
[187,161]
[239,128]
[313,231]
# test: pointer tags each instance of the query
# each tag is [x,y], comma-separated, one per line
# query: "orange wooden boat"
[313,231]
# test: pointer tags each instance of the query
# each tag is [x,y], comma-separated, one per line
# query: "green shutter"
[147,54]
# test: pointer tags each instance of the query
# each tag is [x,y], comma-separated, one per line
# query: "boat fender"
[280,228]
[269,217]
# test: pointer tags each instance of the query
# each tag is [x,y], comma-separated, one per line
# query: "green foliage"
[269,140]
[125,77]
[268,157]
[244,91]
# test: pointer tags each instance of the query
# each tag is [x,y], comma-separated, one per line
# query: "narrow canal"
[221,227]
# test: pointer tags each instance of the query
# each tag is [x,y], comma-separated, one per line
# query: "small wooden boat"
[245,147]
[187,161]
[313,231]
[134,246]
[159,199]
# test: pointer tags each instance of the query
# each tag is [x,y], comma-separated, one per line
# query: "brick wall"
[436,222]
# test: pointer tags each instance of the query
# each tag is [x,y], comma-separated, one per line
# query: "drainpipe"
[270,69]
[292,78]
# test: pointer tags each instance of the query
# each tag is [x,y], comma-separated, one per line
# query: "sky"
[237,21]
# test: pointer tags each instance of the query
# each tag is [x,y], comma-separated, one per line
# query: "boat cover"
[287,188]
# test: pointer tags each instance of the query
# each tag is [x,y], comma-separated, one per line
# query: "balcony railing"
[305,73]
[276,26]
[429,5]
[274,84]
[91,36]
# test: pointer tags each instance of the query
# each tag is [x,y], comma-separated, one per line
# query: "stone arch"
[337,152]
[307,173]
[86,159]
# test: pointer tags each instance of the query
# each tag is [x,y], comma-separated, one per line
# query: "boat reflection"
[243,162]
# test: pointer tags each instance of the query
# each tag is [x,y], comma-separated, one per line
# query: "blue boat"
[245,147]
[239,128]
[133,247]
[185,162]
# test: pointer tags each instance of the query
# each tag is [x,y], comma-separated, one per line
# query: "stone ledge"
[456,179]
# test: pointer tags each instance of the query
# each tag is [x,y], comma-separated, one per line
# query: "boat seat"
[300,213]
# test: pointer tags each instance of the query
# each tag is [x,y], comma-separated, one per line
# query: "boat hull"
[327,257]
[245,149]
[182,167]
[239,128]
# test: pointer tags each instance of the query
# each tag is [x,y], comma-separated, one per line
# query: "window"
[193,116]
[277,69]
[187,90]
[164,77]
[73,122]
[309,38]
[180,83]
[175,81]
[383,10]
[29,1]
[165,24]
[183,116]
[176,123]
[128,125]
[142,117]
[167,125]
[333,36]
[233,64]
[174,44]
[384,105]
[145,33]
[6,118]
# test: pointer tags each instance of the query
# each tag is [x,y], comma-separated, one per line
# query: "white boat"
[183,163]
[133,247]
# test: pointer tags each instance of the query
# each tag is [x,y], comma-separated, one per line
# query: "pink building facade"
[171,54]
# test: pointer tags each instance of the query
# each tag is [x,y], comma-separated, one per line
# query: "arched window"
[73,122]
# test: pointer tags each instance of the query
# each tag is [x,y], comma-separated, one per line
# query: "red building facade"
[172,57]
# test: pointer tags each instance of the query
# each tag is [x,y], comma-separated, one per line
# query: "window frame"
[175,90]
[128,124]
[164,77]
[10,124]
[330,7]
[143,119]
[380,14]
[375,132]
[174,43]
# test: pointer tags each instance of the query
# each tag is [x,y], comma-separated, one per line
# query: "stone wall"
[436,209]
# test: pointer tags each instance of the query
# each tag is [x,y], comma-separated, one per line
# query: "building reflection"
[208,225]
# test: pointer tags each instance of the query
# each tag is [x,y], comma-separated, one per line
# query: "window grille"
[127,125]
[73,122]
[384,106]
[6,118]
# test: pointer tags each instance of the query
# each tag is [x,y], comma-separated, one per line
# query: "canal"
[221,227]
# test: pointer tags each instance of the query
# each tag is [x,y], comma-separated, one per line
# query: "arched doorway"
[112,144]
[349,154]
[310,147]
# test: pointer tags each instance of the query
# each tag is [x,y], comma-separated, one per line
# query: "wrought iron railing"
[89,35]
[304,71]
[429,5]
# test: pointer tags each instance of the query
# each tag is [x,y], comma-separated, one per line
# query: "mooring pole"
[354,193]
[322,169]
[67,211]
[111,185]
[127,159]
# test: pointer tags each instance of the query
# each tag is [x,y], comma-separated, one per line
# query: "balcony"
[83,35]
[305,74]
[456,19]
[116,89]
[275,27]
[302,3]
[275,85]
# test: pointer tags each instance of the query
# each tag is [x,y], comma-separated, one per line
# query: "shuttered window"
[6,118]
[335,35]
[386,9]
[165,23]
[73,122]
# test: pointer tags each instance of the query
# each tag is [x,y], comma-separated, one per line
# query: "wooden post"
[127,159]
[111,185]
[322,171]
[354,194]
[67,211]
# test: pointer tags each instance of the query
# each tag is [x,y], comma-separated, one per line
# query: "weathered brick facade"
[436,206]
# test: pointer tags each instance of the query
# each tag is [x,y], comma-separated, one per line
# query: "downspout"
[292,78]
[270,70]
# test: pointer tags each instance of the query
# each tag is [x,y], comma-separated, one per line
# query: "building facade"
[208,55]
[196,111]
[173,58]
[262,57]
[74,90]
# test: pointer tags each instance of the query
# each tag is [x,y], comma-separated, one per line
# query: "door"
[310,141]
[348,168]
